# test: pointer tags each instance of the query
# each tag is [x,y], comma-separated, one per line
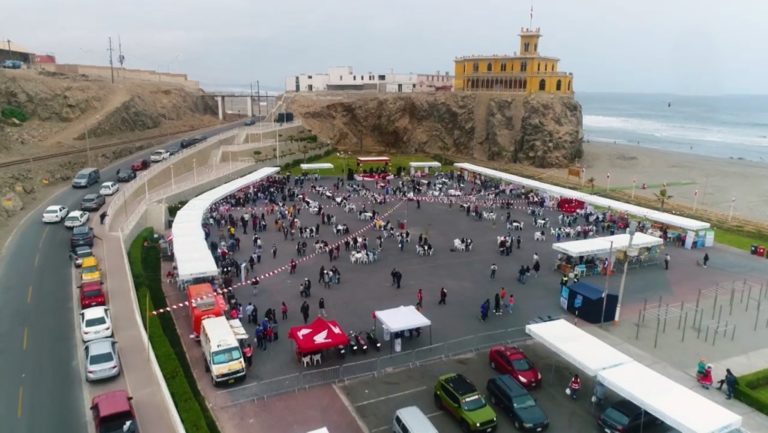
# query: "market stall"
[373,173]
[397,320]
[596,255]
[424,166]
[317,336]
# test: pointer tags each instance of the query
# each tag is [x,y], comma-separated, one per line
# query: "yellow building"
[527,72]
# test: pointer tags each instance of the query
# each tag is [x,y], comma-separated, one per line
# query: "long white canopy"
[650,214]
[193,258]
[602,245]
[317,166]
[581,349]
[430,164]
[402,318]
[676,405]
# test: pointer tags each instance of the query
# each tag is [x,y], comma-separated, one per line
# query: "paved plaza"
[367,287]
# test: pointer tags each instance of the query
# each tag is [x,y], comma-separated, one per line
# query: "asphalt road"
[41,387]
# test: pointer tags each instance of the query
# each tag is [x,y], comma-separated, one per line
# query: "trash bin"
[753,249]
[398,345]
[761,251]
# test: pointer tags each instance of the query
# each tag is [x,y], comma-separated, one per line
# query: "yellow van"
[90,270]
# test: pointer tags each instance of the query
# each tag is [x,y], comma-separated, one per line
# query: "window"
[341,78]
[558,86]
[542,85]
[354,78]
[475,67]
[569,86]
[512,67]
[489,67]
[535,47]
[538,67]
[401,425]
[545,66]
[523,66]
[525,83]
[526,46]
[309,77]
[465,67]
[503,67]
[382,77]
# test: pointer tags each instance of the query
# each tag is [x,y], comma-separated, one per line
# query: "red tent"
[318,335]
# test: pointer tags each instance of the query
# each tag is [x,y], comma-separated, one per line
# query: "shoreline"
[720,182]
[659,148]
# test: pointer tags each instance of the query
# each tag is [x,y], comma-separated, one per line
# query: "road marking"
[26,334]
[29,295]
[42,238]
[21,401]
[37,258]
[374,400]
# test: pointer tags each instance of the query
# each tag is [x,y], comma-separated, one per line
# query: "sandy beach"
[718,180]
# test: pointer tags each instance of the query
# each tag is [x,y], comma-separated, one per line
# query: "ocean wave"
[674,131]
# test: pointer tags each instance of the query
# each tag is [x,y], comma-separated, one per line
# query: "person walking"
[511,302]
[706,259]
[443,295]
[248,355]
[321,306]
[574,386]
[484,307]
[274,251]
[293,266]
[284,311]
[519,240]
[536,269]
[420,298]
[730,383]
[249,311]
[493,271]
[322,274]
[666,261]
[305,311]
[398,278]
[503,296]
[497,304]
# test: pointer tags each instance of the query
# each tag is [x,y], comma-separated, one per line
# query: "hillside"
[539,130]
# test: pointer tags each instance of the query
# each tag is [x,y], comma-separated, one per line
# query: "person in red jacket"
[574,386]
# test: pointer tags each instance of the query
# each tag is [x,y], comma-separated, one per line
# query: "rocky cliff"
[541,130]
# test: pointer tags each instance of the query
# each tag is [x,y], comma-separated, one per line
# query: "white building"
[343,78]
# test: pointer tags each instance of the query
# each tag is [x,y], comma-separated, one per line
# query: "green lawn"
[740,240]
[339,163]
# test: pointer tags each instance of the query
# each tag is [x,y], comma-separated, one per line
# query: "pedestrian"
[503,296]
[730,383]
[284,310]
[248,354]
[393,274]
[574,386]
[102,217]
[443,295]
[420,298]
[564,281]
[521,275]
[251,262]
[493,271]
[535,257]
[274,251]
[484,309]
[706,259]
[321,306]
[518,240]
[321,275]
[293,266]
[249,311]
[536,269]
[497,304]
[511,302]
[398,278]
[666,261]
[305,311]
[259,337]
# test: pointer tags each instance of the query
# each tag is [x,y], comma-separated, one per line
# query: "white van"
[412,420]
[221,349]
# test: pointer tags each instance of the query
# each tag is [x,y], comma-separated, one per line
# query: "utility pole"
[111,65]
[10,56]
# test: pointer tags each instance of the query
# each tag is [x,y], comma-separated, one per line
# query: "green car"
[457,395]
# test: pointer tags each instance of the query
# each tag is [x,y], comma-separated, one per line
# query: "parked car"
[76,218]
[92,202]
[189,142]
[95,323]
[411,420]
[457,395]
[81,253]
[55,214]
[86,177]
[513,399]
[250,122]
[82,236]
[512,361]
[141,164]
[159,155]
[92,294]
[109,188]
[101,359]
[113,413]
[90,270]
[12,64]
[125,175]
[625,417]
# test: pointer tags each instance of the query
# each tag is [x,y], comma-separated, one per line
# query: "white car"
[76,218]
[95,323]
[159,155]
[109,188]
[55,214]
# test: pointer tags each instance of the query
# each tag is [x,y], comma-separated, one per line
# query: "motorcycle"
[361,344]
[372,340]
[352,342]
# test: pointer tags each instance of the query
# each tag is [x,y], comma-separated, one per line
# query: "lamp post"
[695,199]
[634,183]
[605,291]
[632,229]
[730,212]
[608,182]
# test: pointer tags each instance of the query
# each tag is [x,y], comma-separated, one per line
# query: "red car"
[113,413]
[92,295]
[139,165]
[512,361]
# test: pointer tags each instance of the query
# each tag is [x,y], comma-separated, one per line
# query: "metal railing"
[372,367]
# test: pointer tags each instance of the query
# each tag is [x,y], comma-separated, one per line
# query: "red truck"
[113,413]
[204,303]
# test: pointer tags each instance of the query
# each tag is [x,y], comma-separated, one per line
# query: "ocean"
[721,126]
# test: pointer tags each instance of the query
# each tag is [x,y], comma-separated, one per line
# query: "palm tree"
[591,183]
[663,196]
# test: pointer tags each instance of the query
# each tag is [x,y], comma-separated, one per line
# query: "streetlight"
[608,183]
[634,183]
[730,212]
[695,199]
[632,230]
[605,291]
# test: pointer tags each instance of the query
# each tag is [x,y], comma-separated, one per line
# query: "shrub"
[11,112]
[746,390]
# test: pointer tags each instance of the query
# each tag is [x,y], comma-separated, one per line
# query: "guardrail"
[372,367]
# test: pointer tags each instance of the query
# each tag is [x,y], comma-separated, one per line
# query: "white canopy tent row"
[402,318]
[424,166]
[601,246]
[193,257]
[676,405]
[317,166]
[649,214]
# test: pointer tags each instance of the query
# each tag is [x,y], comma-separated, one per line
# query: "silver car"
[101,359]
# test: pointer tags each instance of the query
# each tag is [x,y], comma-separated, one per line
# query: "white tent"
[676,405]
[650,214]
[403,318]
[602,245]
[430,164]
[193,258]
[317,166]
[581,349]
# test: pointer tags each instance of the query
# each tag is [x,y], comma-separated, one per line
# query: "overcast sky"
[680,46]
